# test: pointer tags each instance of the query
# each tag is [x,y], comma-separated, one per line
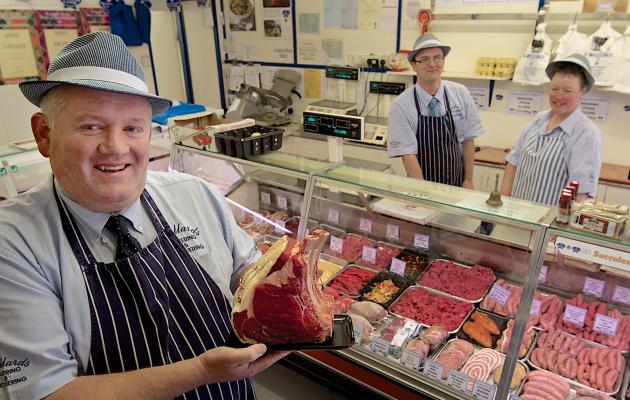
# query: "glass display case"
[450,297]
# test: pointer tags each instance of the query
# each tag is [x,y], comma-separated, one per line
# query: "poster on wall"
[277,23]
[276,3]
[242,15]
[57,39]
[17,59]
[52,23]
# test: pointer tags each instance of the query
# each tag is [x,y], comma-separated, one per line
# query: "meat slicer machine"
[269,107]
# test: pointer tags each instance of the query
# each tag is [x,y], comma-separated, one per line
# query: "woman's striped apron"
[542,169]
[154,308]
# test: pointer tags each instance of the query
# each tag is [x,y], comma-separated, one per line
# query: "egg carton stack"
[502,67]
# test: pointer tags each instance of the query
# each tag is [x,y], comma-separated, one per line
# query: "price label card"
[542,277]
[457,380]
[265,198]
[398,266]
[535,309]
[421,241]
[392,232]
[621,294]
[575,315]
[593,287]
[605,325]
[380,346]
[336,244]
[410,359]
[369,254]
[358,334]
[433,369]
[499,294]
[365,225]
[482,390]
[282,202]
[333,216]
[281,223]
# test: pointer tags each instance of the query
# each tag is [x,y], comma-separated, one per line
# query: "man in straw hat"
[432,125]
[116,283]
[561,144]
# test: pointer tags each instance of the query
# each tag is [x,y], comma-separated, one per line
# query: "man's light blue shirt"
[403,116]
[43,300]
[583,147]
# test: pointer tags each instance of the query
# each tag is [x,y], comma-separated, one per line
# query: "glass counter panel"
[419,191]
[292,162]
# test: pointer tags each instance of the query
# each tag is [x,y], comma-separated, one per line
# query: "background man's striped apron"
[439,154]
[153,308]
[542,169]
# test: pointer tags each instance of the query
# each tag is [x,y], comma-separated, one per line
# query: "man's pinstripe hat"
[99,61]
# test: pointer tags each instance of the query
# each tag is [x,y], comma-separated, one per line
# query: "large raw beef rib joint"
[278,301]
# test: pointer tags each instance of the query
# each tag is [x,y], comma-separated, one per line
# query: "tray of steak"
[581,363]
[384,288]
[483,329]
[353,246]
[384,254]
[350,280]
[430,307]
[464,282]
[342,337]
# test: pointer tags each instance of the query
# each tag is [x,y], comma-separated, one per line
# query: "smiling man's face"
[99,147]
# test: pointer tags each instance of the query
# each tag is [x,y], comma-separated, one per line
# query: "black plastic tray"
[414,275]
[342,338]
[400,281]
[240,143]
[501,324]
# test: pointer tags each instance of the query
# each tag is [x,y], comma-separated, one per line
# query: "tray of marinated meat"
[468,283]
[429,307]
[384,288]
[350,280]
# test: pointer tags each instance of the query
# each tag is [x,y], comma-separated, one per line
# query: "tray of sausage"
[550,306]
[430,307]
[478,363]
[467,283]
[581,363]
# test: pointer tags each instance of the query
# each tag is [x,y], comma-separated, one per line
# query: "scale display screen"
[343,126]
[342,73]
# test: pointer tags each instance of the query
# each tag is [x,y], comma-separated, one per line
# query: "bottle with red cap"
[573,191]
[576,184]
[564,208]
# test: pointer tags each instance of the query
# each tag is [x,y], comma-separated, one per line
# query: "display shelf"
[455,75]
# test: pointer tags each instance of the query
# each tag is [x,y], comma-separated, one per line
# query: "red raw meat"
[430,309]
[384,255]
[351,280]
[279,301]
[353,246]
[467,283]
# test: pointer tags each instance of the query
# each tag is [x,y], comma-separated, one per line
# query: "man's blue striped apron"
[154,308]
[439,154]
[542,169]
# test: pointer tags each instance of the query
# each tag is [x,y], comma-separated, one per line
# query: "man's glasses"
[425,60]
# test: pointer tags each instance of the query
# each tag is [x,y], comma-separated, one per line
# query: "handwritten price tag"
[336,244]
[398,266]
[433,369]
[621,294]
[282,202]
[265,198]
[483,391]
[380,346]
[421,241]
[333,216]
[499,294]
[392,232]
[605,325]
[457,380]
[542,277]
[365,225]
[535,310]
[575,315]
[369,254]
[358,334]
[593,287]
[410,359]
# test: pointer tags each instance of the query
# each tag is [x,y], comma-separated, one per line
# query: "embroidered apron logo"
[10,368]
[190,239]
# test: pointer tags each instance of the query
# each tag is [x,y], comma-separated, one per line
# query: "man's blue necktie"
[434,108]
